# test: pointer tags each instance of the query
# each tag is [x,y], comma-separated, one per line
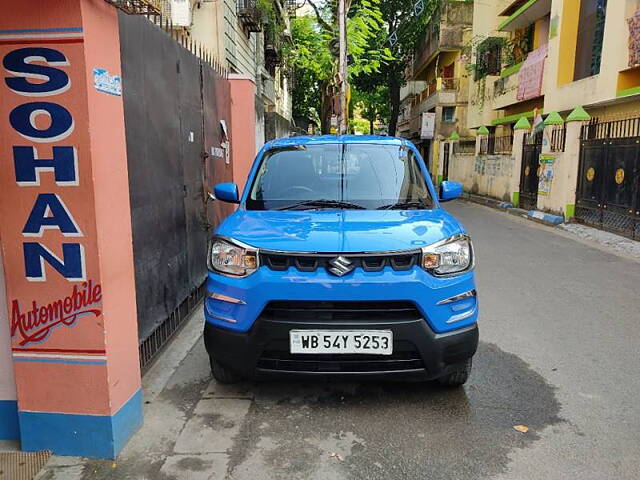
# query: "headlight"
[453,255]
[229,258]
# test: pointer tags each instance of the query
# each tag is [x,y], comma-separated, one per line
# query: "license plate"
[377,342]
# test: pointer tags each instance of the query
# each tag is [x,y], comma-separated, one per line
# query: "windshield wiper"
[404,205]
[323,203]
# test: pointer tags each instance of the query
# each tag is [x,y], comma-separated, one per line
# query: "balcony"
[448,34]
[249,15]
[439,91]
[505,89]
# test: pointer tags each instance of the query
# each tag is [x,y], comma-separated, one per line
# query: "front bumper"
[252,294]
[419,352]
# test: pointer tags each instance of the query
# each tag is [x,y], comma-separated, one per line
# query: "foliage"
[310,56]
[488,57]
[376,68]
[360,125]
[372,104]
[313,52]
[408,29]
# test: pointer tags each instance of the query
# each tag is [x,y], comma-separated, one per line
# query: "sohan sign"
[47,200]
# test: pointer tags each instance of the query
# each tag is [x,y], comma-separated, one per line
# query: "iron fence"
[496,145]
[624,128]
[487,145]
[503,144]
[558,138]
[465,147]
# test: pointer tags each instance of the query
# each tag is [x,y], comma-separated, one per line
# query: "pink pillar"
[66,228]
[243,127]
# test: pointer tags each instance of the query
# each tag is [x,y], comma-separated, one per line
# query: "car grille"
[277,357]
[350,311]
[367,262]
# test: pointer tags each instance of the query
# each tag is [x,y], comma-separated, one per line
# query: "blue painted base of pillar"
[9,429]
[95,436]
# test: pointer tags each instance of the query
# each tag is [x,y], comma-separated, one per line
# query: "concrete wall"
[488,175]
[243,126]
[562,194]
[207,27]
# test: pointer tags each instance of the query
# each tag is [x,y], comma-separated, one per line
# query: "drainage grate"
[152,345]
[22,465]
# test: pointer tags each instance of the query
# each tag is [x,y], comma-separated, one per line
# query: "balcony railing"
[432,88]
[249,15]
[450,84]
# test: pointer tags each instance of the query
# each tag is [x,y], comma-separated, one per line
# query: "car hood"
[340,230]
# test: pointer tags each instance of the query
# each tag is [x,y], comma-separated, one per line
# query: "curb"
[546,218]
[534,215]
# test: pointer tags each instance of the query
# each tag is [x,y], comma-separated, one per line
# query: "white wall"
[7,381]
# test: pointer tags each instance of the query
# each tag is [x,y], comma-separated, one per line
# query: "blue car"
[340,262]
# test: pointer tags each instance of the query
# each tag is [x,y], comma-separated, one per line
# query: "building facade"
[248,41]
[539,68]
[434,99]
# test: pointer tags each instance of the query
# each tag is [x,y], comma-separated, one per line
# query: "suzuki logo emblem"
[340,266]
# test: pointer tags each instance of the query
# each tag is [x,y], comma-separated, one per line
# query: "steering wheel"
[297,188]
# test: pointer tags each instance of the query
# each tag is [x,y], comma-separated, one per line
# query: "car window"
[367,176]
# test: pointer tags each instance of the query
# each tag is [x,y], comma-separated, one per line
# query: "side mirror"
[450,190]
[227,192]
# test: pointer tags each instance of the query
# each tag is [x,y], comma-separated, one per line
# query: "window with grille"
[448,114]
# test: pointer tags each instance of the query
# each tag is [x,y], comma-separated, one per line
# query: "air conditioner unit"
[181,13]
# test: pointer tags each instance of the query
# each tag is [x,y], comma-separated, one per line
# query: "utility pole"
[342,67]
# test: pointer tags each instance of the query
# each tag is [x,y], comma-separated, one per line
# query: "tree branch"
[321,20]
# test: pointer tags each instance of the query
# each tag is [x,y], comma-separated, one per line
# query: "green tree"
[404,29]
[315,50]
[311,60]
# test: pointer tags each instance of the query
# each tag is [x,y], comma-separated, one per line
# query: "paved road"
[560,353]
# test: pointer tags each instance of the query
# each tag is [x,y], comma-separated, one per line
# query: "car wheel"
[458,377]
[222,374]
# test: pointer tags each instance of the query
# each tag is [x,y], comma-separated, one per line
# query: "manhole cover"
[22,465]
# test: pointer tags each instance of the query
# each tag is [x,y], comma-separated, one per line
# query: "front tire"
[458,377]
[222,374]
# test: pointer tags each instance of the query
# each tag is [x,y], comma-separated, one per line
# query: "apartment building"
[572,67]
[434,100]
[245,39]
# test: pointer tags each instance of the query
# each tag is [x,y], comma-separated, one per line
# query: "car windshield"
[342,176]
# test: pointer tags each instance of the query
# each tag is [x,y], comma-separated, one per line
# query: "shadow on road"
[395,430]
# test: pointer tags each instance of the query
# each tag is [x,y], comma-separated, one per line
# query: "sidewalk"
[189,421]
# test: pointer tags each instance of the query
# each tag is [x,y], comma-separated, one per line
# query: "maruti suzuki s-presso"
[340,262]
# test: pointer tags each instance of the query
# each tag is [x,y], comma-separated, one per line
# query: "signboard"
[48,228]
[546,174]
[427,125]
